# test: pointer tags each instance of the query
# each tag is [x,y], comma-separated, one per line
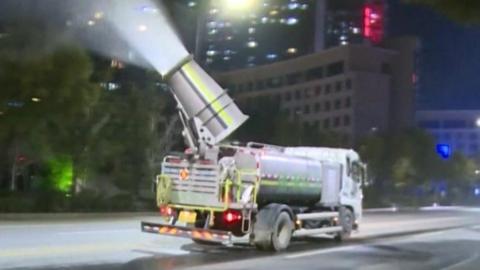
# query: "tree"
[464,11]
[45,92]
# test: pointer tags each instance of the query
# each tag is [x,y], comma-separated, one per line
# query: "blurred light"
[304,6]
[271,56]
[149,9]
[282,20]
[252,44]
[356,30]
[476,192]
[292,21]
[211,52]
[251,30]
[2,113]
[213,11]
[212,24]
[443,150]
[226,58]
[293,5]
[91,23]
[229,38]
[99,15]
[343,37]
[274,12]
[477,172]
[264,20]
[292,50]
[142,28]
[192,3]
[477,122]
[343,43]
[239,5]
[35,99]
[212,31]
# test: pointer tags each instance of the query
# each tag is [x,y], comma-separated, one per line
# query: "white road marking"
[321,251]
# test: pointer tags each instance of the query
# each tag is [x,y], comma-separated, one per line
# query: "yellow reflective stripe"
[217,107]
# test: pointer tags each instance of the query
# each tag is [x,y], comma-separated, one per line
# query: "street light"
[238,5]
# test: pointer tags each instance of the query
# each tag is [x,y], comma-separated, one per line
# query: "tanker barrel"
[206,105]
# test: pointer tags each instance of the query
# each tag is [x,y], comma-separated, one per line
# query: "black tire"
[279,233]
[347,221]
[282,233]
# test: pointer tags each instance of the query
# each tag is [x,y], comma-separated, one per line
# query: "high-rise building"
[272,30]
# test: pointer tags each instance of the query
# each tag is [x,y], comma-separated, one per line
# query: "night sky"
[450,58]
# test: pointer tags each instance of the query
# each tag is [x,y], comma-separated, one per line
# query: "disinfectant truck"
[218,193]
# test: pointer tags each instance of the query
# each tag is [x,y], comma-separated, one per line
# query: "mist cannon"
[208,114]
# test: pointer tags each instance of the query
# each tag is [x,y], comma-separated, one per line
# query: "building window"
[298,94]
[348,102]
[335,68]
[250,86]
[348,84]
[318,90]
[288,96]
[338,86]
[274,82]
[307,109]
[454,124]
[386,68]
[317,107]
[474,148]
[326,123]
[260,85]
[346,120]
[294,78]
[429,124]
[314,74]
[328,88]
[327,106]
[338,104]
[307,92]
[336,121]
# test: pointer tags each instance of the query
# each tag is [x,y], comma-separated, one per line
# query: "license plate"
[187,217]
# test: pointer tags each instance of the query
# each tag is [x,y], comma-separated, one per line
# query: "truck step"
[322,215]
[307,232]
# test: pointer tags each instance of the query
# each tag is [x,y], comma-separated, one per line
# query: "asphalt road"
[428,239]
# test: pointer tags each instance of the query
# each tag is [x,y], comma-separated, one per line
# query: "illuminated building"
[275,30]
[457,130]
[352,90]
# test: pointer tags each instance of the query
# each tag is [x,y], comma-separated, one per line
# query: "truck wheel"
[277,236]
[346,222]
[282,232]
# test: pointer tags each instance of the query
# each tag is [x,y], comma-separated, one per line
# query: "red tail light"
[231,216]
[166,211]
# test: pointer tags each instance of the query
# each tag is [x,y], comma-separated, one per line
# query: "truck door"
[331,184]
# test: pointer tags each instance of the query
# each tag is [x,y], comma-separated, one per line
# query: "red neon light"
[373,22]
[367,31]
